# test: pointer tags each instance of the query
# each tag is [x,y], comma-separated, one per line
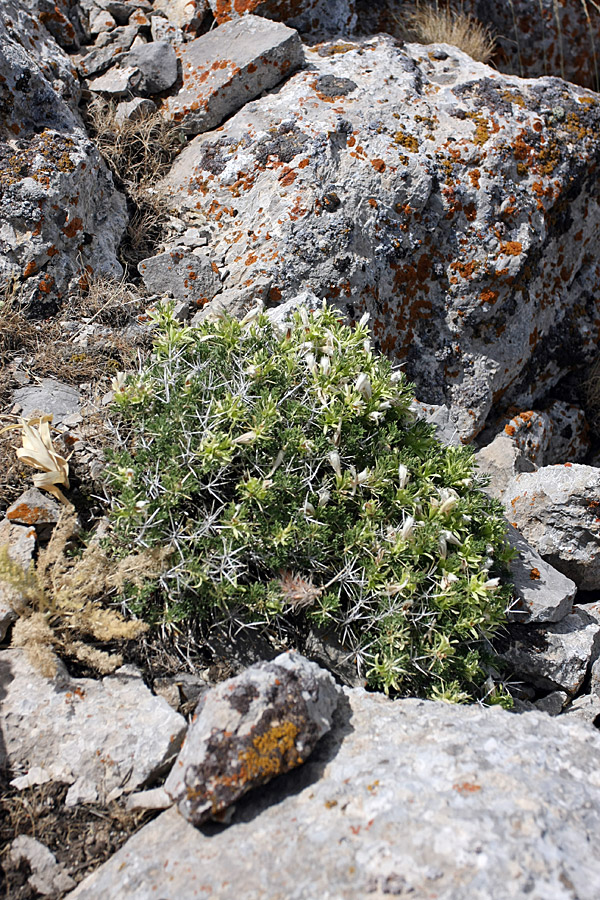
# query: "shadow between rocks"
[294,782]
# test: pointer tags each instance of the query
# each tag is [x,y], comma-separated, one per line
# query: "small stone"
[186,15]
[102,21]
[47,876]
[34,508]
[248,729]
[49,397]
[133,110]
[101,58]
[225,68]
[182,275]
[163,30]
[543,594]
[552,703]
[585,709]
[117,82]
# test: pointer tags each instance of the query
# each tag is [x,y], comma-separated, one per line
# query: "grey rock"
[47,876]
[595,679]
[542,593]
[569,441]
[60,214]
[101,737]
[249,729]
[556,656]
[102,21]
[158,64]
[552,703]
[365,203]
[557,509]
[102,58]
[62,19]
[185,15]
[585,709]
[229,66]
[133,110]
[49,397]
[34,508]
[119,81]
[442,417]
[163,30]
[181,274]
[315,19]
[400,798]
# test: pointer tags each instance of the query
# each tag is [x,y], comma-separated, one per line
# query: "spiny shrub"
[288,474]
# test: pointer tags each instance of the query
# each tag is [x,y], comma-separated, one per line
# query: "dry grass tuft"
[139,154]
[63,599]
[437,24]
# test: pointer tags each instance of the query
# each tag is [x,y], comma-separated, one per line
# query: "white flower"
[363,386]
[491,584]
[308,509]
[118,382]
[253,314]
[364,319]
[407,529]
[403,476]
[324,497]
[336,463]
[325,365]
[311,361]
[449,499]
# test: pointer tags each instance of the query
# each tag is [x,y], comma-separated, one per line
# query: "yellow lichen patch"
[265,758]
[408,141]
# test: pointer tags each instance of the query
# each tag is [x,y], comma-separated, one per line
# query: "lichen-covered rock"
[61,218]
[181,274]
[101,737]
[249,729]
[457,205]
[225,68]
[402,799]
[188,15]
[556,656]
[542,593]
[314,19]
[569,438]
[557,509]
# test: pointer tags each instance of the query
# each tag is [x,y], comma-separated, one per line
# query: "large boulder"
[60,215]
[458,205]
[406,798]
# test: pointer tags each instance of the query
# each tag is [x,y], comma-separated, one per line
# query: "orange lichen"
[271,753]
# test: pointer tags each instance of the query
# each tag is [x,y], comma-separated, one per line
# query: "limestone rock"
[100,59]
[380,178]
[101,737]
[552,703]
[60,214]
[47,876]
[542,593]
[119,81]
[132,110]
[181,274]
[405,798]
[569,441]
[158,64]
[249,729]
[315,19]
[188,15]
[557,509]
[35,508]
[227,67]
[585,709]
[49,397]
[556,656]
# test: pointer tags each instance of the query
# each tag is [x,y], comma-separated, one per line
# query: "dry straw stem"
[446,25]
[60,601]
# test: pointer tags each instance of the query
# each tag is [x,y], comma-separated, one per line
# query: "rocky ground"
[300,152]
